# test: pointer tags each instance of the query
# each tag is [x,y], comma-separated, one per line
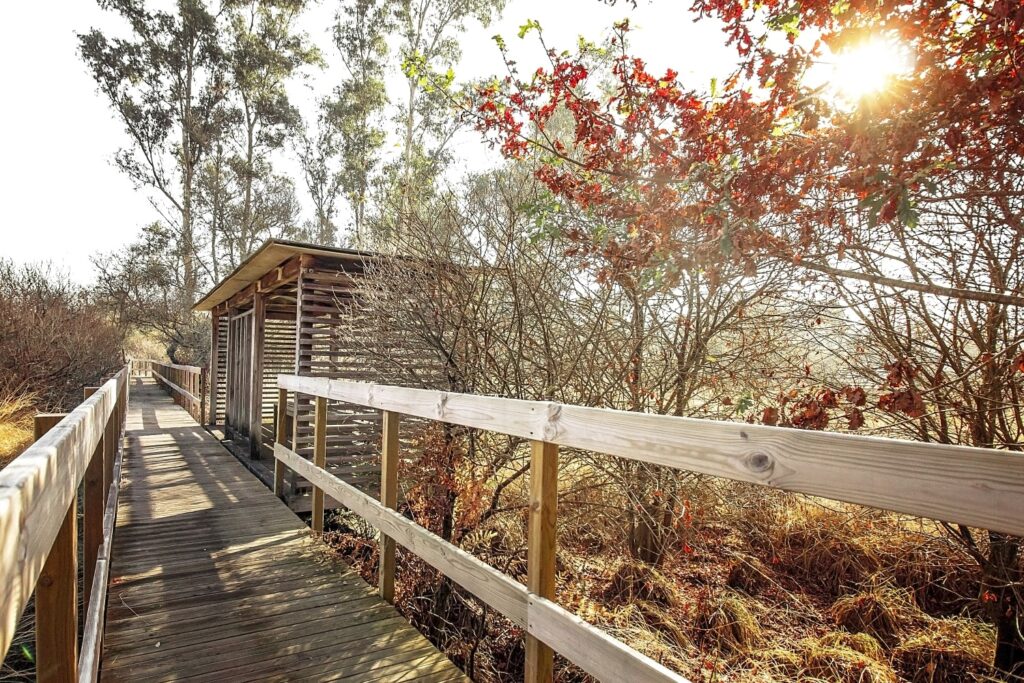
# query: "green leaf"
[530,25]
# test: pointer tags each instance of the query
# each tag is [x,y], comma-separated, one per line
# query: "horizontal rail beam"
[978,487]
[187,394]
[587,646]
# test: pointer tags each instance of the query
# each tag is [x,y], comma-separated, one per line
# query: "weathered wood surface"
[36,491]
[587,646]
[974,486]
[213,578]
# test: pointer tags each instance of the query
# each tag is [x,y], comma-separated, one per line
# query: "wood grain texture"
[389,498]
[319,459]
[974,486]
[213,578]
[36,491]
[540,549]
[57,593]
[556,627]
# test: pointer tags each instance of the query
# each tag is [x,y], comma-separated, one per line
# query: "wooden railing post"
[389,497]
[57,593]
[280,437]
[319,459]
[202,396]
[540,554]
[92,506]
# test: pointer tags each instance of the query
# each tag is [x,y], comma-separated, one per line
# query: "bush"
[54,339]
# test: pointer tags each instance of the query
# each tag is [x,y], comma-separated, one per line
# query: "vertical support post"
[540,554]
[259,326]
[281,436]
[92,505]
[319,459]
[202,395]
[214,362]
[57,593]
[389,497]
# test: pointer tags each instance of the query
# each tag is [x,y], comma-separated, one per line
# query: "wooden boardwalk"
[214,579]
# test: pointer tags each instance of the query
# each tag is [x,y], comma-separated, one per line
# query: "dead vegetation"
[765,587]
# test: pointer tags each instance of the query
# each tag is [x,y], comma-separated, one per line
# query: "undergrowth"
[765,586]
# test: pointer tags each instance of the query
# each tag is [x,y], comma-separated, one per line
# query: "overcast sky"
[61,197]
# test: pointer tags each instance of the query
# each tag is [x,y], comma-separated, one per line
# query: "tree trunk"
[1001,584]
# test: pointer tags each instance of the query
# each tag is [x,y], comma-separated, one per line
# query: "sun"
[868,67]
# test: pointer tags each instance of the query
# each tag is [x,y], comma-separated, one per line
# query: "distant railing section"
[38,530]
[972,486]
[186,384]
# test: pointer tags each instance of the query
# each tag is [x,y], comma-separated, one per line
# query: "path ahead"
[213,578]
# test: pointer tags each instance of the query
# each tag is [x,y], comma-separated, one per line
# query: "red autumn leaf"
[770,416]
[855,395]
[855,418]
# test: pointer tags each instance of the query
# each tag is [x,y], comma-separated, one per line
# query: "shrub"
[947,651]
[884,612]
[54,339]
[728,625]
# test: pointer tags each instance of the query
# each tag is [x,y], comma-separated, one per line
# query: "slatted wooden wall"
[219,356]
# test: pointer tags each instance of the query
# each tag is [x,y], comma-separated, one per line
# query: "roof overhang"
[272,254]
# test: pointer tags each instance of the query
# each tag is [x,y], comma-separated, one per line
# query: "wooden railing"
[972,486]
[185,383]
[38,530]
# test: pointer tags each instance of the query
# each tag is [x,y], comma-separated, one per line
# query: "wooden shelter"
[280,312]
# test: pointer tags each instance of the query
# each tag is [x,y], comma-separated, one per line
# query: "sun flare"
[869,67]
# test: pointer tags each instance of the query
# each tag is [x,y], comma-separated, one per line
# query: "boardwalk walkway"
[214,579]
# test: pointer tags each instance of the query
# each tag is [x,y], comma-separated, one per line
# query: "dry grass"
[947,651]
[728,625]
[15,425]
[834,657]
[884,612]
[771,587]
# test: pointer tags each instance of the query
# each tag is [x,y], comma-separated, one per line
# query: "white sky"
[61,197]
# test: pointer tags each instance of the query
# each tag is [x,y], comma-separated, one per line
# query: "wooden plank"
[209,590]
[319,459]
[540,549]
[214,367]
[281,425]
[974,486]
[92,513]
[541,617]
[57,592]
[36,490]
[389,498]
[259,327]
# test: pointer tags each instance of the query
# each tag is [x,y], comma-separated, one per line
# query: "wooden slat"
[973,486]
[282,434]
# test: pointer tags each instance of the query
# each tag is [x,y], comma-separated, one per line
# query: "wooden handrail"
[979,487]
[187,384]
[973,486]
[38,515]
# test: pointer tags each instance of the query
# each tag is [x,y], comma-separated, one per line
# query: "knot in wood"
[550,429]
[760,462]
